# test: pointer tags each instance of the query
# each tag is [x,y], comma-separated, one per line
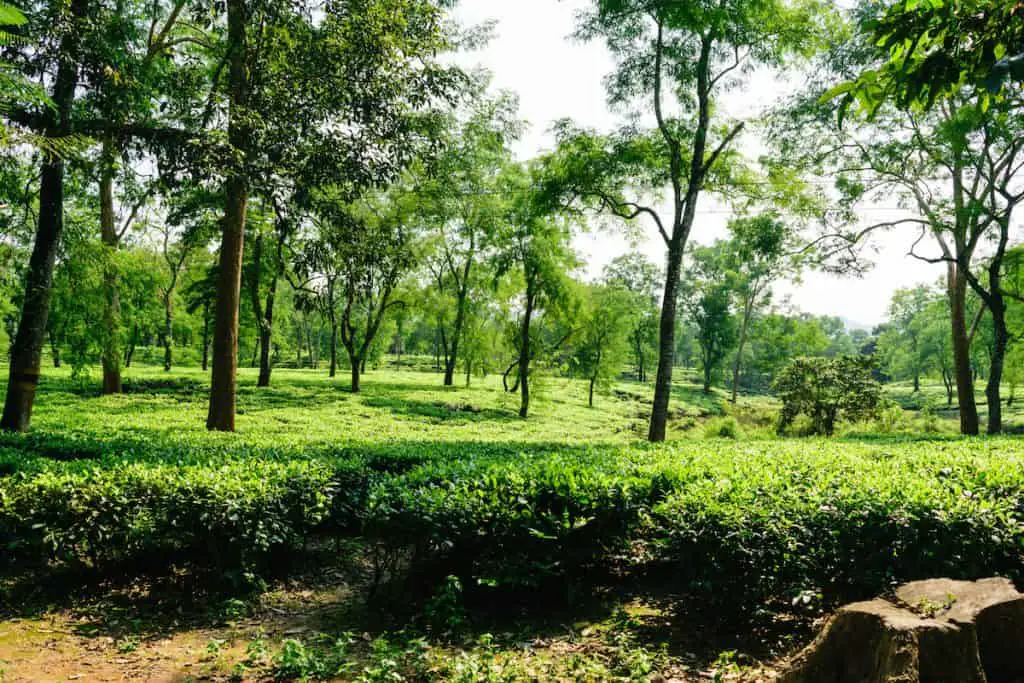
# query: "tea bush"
[497,502]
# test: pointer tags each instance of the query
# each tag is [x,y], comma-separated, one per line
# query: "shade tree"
[675,61]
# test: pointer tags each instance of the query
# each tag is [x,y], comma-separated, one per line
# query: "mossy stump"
[935,631]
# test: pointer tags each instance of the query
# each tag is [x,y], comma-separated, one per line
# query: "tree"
[760,252]
[641,278]
[902,345]
[602,340]
[69,27]
[461,191]
[534,245]
[827,390]
[708,299]
[101,69]
[361,81]
[954,169]
[671,53]
[367,248]
[931,50]
[200,298]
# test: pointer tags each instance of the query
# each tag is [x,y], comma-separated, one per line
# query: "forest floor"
[316,619]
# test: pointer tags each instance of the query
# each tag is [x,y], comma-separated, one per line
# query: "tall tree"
[62,55]
[462,192]
[602,341]
[674,59]
[362,77]
[760,252]
[634,273]
[955,169]
[535,246]
[709,298]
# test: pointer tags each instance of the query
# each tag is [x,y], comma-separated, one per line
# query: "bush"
[722,428]
[742,525]
[827,390]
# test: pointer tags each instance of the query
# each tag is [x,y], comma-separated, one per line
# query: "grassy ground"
[316,616]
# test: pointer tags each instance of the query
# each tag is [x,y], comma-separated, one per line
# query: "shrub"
[827,390]
[722,428]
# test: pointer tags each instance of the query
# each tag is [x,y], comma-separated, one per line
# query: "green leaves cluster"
[827,390]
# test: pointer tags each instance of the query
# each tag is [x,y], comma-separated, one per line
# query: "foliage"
[494,510]
[930,50]
[827,390]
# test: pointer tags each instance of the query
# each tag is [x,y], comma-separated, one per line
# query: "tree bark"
[112,302]
[995,375]
[452,357]
[524,355]
[590,396]
[666,346]
[957,284]
[206,336]
[356,367]
[221,415]
[334,349]
[26,351]
[168,331]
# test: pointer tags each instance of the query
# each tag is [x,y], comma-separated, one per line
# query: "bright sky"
[555,77]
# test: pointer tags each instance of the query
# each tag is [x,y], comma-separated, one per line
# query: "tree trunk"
[221,415]
[957,284]
[111,299]
[524,357]
[356,365]
[748,310]
[55,351]
[995,375]
[206,336]
[334,349]
[666,346]
[932,631]
[168,331]
[264,378]
[590,396]
[26,351]
[460,321]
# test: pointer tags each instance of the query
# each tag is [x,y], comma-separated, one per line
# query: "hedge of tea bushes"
[739,522]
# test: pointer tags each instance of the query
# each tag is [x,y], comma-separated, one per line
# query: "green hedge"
[744,523]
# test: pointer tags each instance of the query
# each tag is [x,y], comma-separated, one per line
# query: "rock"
[935,631]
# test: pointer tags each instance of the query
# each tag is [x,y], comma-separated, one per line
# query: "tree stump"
[935,631]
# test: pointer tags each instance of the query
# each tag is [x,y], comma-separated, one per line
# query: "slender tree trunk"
[356,367]
[524,357]
[666,345]
[54,350]
[590,397]
[26,351]
[334,349]
[748,309]
[206,336]
[168,331]
[111,298]
[460,321]
[995,376]
[130,351]
[962,351]
[221,415]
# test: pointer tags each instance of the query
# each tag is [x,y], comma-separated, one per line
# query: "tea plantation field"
[416,533]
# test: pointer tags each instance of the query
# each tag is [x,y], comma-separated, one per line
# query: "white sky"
[555,77]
